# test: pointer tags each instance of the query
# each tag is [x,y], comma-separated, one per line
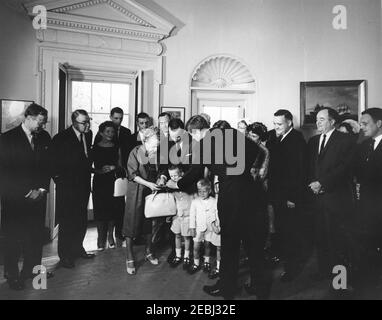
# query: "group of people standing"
[282,176]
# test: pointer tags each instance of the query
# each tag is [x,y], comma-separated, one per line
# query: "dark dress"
[135,223]
[106,206]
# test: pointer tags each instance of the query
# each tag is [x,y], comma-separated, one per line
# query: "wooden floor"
[105,278]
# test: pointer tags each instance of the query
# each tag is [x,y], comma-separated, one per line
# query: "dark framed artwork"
[176,112]
[12,113]
[348,98]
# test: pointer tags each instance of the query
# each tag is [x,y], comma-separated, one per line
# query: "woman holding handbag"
[142,170]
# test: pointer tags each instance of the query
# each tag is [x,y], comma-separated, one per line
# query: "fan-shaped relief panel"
[222,72]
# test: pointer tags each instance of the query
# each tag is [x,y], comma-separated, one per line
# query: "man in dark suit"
[143,122]
[71,169]
[241,205]
[287,182]
[368,170]
[24,184]
[178,151]
[122,138]
[330,183]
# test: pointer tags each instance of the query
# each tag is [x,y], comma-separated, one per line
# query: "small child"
[181,222]
[204,225]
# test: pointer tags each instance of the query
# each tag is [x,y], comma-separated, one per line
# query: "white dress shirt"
[28,133]
[78,134]
[284,136]
[328,134]
[377,141]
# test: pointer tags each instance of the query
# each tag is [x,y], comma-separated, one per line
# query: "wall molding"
[135,21]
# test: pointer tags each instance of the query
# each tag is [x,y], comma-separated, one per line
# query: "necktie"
[178,149]
[322,144]
[33,139]
[82,144]
[279,138]
[370,149]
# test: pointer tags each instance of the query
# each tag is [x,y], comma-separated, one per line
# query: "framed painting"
[12,113]
[348,98]
[176,112]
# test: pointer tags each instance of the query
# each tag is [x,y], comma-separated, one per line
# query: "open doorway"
[98,98]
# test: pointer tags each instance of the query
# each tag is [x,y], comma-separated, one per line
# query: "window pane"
[101,97]
[213,112]
[81,95]
[230,114]
[97,119]
[120,96]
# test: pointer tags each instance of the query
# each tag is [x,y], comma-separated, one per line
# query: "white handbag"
[160,205]
[120,186]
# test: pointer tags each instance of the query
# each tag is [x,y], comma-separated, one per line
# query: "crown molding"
[139,22]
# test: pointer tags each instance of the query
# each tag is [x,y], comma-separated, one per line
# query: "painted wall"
[283,42]
[18,79]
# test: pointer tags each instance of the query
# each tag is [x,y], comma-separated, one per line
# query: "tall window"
[98,98]
[230,114]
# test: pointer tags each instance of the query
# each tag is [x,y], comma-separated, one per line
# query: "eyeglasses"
[85,122]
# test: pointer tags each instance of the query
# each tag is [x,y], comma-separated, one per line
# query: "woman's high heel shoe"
[150,258]
[130,267]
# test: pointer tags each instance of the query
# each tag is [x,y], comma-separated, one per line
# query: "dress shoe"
[150,258]
[130,267]
[274,261]
[216,291]
[16,284]
[171,256]
[67,263]
[175,262]
[287,277]
[86,255]
[194,269]
[186,263]
[215,273]
[207,267]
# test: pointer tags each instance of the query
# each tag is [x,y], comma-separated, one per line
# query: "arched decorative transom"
[222,72]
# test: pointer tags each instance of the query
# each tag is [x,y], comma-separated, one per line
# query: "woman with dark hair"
[106,206]
[221,124]
[258,133]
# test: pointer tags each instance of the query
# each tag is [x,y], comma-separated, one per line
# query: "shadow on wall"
[153,6]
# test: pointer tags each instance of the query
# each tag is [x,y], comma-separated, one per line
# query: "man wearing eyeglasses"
[71,171]
[24,183]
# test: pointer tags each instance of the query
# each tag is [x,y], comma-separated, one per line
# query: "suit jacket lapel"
[24,138]
[328,145]
[378,150]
